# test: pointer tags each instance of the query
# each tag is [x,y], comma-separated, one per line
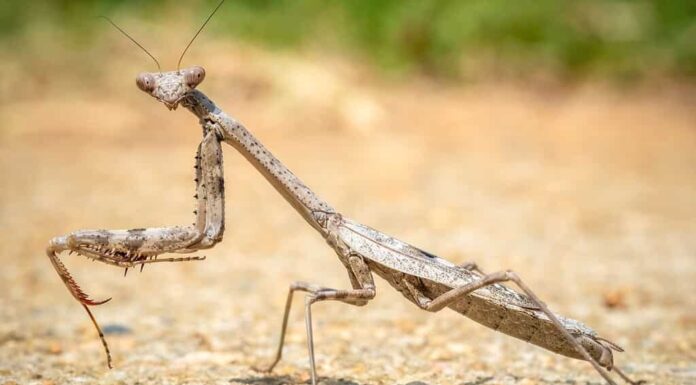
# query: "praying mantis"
[428,281]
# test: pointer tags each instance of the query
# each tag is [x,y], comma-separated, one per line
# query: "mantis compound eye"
[194,76]
[145,82]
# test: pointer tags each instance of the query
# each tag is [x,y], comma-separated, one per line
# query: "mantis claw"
[92,302]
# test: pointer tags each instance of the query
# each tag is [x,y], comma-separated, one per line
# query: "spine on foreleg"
[213,184]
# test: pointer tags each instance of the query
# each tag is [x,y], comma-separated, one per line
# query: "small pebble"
[55,348]
[615,299]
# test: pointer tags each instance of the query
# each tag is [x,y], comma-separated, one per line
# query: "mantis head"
[170,87]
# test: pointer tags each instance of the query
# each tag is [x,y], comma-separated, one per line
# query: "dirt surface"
[586,191]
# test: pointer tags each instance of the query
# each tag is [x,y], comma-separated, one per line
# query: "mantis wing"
[401,256]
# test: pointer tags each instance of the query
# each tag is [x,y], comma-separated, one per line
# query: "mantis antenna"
[133,40]
[178,64]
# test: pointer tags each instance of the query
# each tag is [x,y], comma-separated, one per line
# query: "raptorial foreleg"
[128,248]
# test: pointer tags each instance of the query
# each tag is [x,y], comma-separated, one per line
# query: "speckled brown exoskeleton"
[430,282]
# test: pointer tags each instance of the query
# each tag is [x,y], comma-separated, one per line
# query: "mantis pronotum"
[430,282]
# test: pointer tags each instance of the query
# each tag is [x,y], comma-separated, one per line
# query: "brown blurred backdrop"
[559,142]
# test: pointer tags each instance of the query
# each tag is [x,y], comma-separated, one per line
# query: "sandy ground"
[586,191]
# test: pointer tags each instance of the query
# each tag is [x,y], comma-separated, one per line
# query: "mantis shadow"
[288,380]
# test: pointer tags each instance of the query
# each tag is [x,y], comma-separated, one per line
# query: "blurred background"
[557,139]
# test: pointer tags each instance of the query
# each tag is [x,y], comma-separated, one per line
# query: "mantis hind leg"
[471,266]
[456,294]
[358,296]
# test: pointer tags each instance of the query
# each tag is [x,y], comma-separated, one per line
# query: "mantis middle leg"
[363,291]
[129,248]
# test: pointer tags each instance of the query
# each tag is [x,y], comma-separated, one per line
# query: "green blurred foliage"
[441,37]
